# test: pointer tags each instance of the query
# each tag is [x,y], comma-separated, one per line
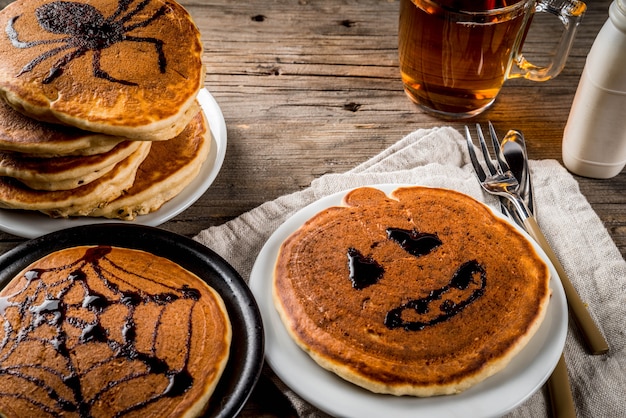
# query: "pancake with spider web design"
[110,331]
[127,68]
[19,133]
[169,167]
[63,173]
[75,202]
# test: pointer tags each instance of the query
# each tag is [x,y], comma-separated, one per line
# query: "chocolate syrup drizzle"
[436,302]
[414,242]
[87,30]
[364,271]
[54,312]
[470,278]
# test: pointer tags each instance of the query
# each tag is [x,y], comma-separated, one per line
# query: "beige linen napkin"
[438,157]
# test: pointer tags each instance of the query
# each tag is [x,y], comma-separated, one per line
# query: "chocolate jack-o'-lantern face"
[407,282]
[382,253]
[466,284]
[440,304]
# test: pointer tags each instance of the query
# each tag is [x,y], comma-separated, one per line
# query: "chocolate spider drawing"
[88,31]
[469,281]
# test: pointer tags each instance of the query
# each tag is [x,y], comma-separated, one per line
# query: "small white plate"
[493,397]
[33,224]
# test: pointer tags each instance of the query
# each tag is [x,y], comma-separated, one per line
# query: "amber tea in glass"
[455,55]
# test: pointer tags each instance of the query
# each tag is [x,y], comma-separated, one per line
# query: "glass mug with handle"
[455,55]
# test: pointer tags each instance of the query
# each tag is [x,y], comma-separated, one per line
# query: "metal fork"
[561,400]
[501,182]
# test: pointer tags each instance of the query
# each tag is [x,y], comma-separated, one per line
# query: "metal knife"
[513,149]
[594,340]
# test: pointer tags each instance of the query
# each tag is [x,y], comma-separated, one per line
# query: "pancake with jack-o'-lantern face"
[424,292]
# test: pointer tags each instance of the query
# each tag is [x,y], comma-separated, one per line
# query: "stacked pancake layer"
[424,292]
[107,331]
[123,68]
[89,89]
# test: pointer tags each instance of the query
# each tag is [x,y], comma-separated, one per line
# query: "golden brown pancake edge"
[75,202]
[24,135]
[63,173]
[167,170]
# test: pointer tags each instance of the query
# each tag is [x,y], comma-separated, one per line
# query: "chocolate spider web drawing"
[24,314]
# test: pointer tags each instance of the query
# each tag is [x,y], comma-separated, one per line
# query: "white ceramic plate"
[33,224]
[493,397]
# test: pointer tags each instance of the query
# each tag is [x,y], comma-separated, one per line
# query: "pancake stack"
[98,106]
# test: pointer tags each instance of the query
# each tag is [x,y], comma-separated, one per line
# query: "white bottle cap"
[617,13]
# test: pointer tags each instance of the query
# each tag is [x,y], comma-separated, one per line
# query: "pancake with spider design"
[63,173]
[170,166]
[423,292]
[79,201]
[19,133]
[107,331]
[127,68]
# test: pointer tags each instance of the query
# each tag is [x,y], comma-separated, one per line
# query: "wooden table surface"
[309,87]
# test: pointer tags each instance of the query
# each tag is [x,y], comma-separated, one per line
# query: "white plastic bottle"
[594,141]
